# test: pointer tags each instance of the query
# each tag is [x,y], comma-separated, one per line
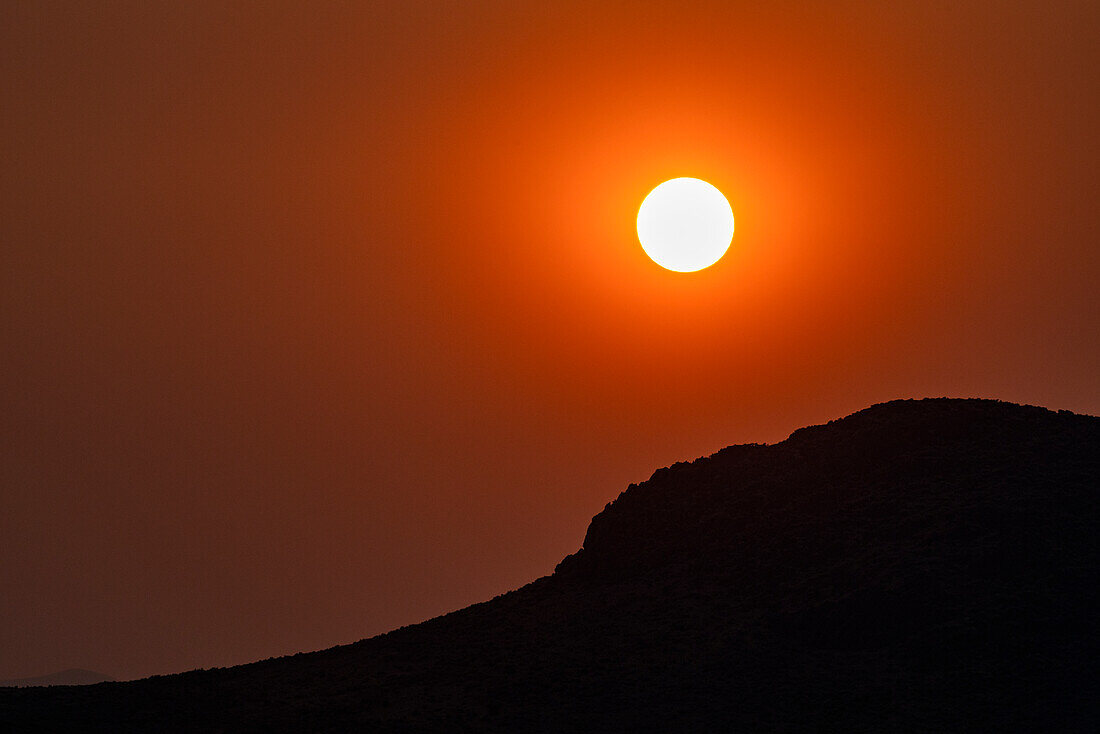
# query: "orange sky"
[323,319]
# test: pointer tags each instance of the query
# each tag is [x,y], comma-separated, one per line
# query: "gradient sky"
[323,318]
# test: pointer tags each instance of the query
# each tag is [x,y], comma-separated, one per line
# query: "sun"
[685,224]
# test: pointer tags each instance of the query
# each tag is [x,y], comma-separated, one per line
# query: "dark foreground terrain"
[917,566]
[70,677]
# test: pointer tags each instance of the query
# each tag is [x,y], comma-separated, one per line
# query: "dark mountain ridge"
[918,565]
[70,677]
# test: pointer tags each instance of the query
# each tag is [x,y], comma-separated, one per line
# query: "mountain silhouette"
[70,677]
[924,565]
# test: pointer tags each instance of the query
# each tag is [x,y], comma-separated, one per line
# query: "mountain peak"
[917,565]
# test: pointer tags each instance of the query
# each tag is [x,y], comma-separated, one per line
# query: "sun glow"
[685,224]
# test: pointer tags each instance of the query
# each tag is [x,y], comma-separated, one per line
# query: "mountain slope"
[919,565]
[71,677]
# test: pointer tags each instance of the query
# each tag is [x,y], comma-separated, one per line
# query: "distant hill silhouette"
[71,677]
[917,566]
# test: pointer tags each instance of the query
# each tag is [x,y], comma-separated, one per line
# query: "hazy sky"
[323,318]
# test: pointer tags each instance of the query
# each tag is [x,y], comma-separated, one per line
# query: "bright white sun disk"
[685,224]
